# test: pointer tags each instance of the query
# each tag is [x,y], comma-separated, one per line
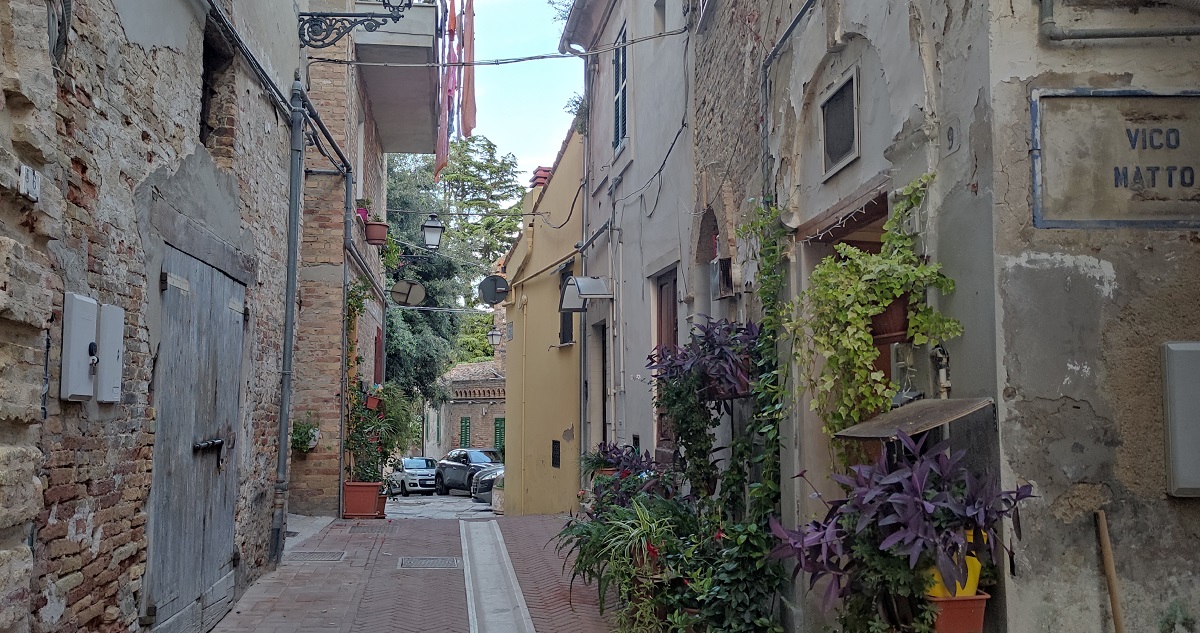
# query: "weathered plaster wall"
[649,195]
[1083,315]
[119,123]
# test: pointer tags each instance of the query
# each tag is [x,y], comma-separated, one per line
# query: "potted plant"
[377,231]
[373,396]
[719,352]
[305,434]
[904,518]
[363,208]
[606,459]
[367,455]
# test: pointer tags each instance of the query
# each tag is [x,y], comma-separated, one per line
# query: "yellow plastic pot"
[940,590]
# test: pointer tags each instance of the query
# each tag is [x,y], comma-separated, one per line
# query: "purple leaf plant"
[923,506]
[720,350]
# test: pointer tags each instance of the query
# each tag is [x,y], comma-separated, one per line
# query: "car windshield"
[412,463]
[483,457]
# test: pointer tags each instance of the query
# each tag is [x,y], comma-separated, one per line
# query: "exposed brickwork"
[338,94]
[477,392]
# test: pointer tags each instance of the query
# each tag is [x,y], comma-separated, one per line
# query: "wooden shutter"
[499,443]
[464,432]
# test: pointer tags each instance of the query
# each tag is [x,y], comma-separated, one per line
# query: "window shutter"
[499,444]
[464,433]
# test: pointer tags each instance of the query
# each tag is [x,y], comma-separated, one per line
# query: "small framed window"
[620,90]
[839,124]
[566,320]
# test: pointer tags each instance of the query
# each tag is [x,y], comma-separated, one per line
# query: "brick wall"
[79,479]
[483,402]
[336,90]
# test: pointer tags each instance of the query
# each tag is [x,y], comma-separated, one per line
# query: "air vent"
[307,557]
[444,562]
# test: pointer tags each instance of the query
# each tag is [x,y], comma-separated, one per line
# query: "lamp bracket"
[322,30]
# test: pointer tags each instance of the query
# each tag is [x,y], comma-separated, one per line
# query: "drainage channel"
[495,603]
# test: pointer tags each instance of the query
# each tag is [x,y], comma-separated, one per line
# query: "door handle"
[216,443]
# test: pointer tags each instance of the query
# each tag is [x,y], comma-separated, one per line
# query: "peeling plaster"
[1099,270]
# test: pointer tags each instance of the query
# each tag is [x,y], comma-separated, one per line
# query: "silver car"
[482,483]
[412,474]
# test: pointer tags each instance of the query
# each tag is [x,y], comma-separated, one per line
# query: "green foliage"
[562,8]
[693,421]
[834,318]
[304,431]
[471,345]
[577,107]
[356,299]
[485,194]
[887,592]
[374,436]
[390,253]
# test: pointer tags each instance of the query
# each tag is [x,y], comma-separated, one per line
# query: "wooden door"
[667,331]
[197,393]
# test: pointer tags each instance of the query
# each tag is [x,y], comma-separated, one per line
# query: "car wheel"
[391,489]
[440,486]
[404,488]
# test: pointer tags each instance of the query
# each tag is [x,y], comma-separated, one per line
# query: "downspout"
[765,94]
[295,182]
[1050,30]
[348,237]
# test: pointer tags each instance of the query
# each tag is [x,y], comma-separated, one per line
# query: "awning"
[920,416]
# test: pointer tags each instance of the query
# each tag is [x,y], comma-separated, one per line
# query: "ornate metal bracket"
[322,30]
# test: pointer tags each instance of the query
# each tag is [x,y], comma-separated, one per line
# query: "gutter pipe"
[765,95]
[295,180]
[1049,29]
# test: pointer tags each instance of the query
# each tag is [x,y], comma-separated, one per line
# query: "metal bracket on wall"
[322,30]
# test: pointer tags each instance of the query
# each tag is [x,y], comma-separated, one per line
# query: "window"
[499,443]
[667,321]
[566,320]
[637,443]
[839,125]
[464,432]
[620,90]
[484,457]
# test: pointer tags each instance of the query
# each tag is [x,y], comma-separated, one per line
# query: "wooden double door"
[197,397]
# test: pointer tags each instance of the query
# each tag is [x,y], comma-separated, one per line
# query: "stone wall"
[118,125]
[483,402]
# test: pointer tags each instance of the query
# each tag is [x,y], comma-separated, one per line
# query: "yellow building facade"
[543,364]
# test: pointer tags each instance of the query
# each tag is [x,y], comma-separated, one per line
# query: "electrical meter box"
[110,349]
[1181,375]
[80,315]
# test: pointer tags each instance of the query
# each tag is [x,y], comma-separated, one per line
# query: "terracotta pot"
[381,507]
[724,392]
[372,402]
[960,615]
[607,472]
[377,233]
[362,213]
[360,499]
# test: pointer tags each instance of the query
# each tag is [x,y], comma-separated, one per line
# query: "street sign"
[493,289]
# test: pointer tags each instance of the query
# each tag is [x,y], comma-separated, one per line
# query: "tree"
[562,8]
[484,195]
[472,345]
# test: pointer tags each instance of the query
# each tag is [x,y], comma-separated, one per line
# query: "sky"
[520,106]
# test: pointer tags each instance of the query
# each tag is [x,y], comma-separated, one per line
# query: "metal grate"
[374,529]
[315,556]
[429,563]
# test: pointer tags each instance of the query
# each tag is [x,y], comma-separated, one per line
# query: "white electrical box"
[1181,402]
[110,348]
[80,315]
[31,183]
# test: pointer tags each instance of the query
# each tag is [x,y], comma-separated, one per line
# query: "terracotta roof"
[466,372]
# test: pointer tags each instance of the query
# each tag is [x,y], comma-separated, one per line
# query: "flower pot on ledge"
[360,500]
[372,402]
[377,233]
[960,615]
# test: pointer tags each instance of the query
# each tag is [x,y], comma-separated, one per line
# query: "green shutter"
[499,434]
[464,433]
[439,428]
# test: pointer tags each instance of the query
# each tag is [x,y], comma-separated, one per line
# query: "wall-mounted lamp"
[432,230]
[493,336]
[577,290]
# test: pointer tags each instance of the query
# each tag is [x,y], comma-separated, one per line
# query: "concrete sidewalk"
[411,574]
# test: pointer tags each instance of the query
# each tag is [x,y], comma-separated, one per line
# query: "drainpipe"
[295,181]
[1050,30]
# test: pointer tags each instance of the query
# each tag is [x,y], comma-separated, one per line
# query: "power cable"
[570,212]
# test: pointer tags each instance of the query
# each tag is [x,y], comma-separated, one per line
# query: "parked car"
[481,485]
[456,470]
[413,474]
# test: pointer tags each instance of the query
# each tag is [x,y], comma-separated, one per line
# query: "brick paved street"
[365,588]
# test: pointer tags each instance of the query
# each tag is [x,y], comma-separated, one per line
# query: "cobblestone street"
[411,574]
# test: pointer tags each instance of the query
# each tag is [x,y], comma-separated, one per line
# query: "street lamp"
[408,293]
[493,337]
[432,231]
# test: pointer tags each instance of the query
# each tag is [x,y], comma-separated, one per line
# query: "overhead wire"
[570,212]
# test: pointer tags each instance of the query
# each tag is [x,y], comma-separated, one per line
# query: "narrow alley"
[436,564]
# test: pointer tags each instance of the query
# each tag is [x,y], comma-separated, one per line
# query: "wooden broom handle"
[1110,571]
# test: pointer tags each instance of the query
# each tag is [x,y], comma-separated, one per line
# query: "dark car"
[484,481]
[458,468]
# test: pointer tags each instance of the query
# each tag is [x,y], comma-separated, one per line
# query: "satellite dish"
[493,289]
